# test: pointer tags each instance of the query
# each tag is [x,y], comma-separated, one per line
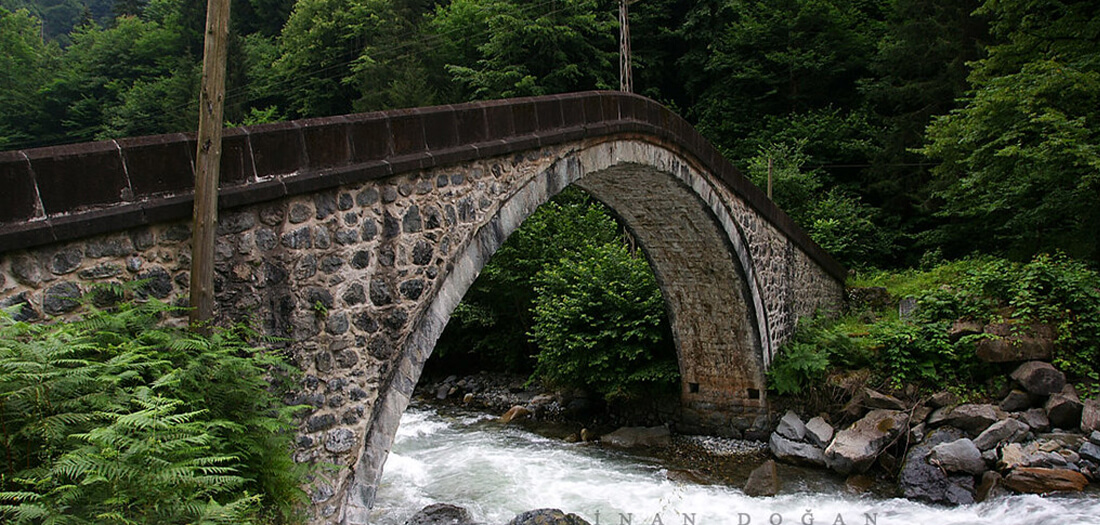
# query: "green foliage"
[1020,164]
[504,48]
[600,323]
[120,418]
[837,221]
[817,346]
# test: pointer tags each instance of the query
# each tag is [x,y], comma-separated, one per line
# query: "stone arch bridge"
[385,219]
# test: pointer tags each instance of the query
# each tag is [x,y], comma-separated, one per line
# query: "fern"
[118,418]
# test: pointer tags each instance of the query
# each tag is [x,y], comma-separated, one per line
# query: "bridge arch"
[356,236]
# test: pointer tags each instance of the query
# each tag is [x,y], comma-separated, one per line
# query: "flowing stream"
[496,472]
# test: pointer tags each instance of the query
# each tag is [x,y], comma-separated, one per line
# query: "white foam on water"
[498,471]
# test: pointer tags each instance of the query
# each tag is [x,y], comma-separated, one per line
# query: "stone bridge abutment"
[356,237]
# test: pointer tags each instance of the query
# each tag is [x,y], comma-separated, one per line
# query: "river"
[495,471]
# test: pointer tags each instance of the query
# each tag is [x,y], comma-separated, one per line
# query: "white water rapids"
[499,471]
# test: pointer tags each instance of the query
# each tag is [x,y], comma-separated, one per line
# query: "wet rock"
[692,476]
[638,437]
[441,514]
[547,517]
[1039,378]
[763,481]
[791,427]
[1015,401]
[1090,416]
[920,480]
[873,399]
[1014,342]
[855,448]
[958,456]
[796,453]
[991,487]
[1004,431]
[515,413]
[1031,480]
[819,432]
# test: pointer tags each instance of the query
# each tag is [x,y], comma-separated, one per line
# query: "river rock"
[763,481]
[638,437]
[973,418]
[1064,408]
[855,448]
[958,456]
[921,480]
[1039,378]
[992,486]
[1094,438]
[791,427]
[547,517]
[441,514]
[1045,480]
[796,453]
[1004,431]
[1090,451]
[819,432]
[1036,418]
[1090,416]
[1014,342]
[942,399]
[515,413]
[873,399]
[1015,401]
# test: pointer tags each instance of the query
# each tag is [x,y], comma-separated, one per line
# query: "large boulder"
[1039,378]
[796,453]
[1045,480]
[441,514]
[1012,342]
[856,448]
[763,481]
[1004,431]
[958,456]
[1064,408]
[638,437]
[992,486]
[1036,418]
[547,517]
[1090,416]
[1015,401]
[972,418]
[921,480]
[819,432]
[791,427]
[1090,451]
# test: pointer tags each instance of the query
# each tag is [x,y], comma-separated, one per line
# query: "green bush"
[121,418]
[599,323]
[818,345]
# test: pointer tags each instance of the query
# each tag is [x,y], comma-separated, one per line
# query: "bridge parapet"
[72,191]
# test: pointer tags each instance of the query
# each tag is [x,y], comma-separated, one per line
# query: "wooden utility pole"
[208,161]
[626,83]
[769,178]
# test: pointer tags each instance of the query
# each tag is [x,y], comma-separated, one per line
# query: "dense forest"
[896,127]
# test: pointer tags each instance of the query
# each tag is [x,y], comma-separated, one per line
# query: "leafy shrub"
[120,418]
[599,323]
[818,345]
